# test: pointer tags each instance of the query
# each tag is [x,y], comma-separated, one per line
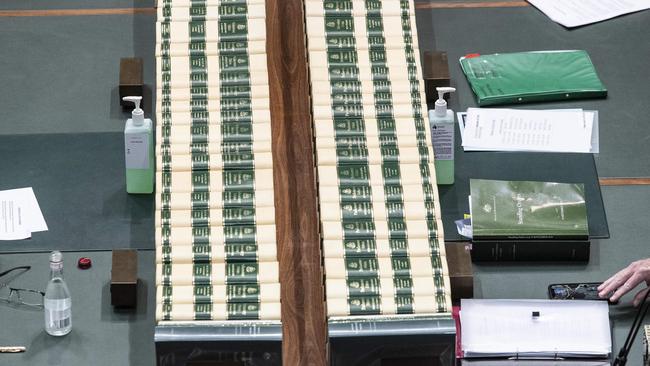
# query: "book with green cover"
[524,77]
[519,210]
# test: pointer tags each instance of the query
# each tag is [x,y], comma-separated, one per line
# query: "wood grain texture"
[75,12]
[470,5]
[624,181]
[304,324]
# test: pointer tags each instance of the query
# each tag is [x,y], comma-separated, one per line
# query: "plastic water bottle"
[57,303]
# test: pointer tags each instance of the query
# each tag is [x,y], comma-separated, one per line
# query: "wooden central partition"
[304,324]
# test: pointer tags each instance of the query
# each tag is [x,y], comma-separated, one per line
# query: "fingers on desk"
[615,281]
[626,279]
[640,295]
[631,282]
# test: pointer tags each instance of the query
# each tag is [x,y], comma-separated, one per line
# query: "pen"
[12,349]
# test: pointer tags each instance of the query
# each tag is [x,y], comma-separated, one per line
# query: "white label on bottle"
[442,138]
[136,148]
[58,313]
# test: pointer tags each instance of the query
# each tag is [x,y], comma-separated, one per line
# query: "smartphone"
[575,291]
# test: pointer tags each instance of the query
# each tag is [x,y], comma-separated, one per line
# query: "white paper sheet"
[574,13]
[564,328]
[24,207]
[590,117]
[12,222]
[561,130]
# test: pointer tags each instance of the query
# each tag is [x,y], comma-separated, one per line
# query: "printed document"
[12,222]
[574,13]
[20,214]
[568,130]
[590,117]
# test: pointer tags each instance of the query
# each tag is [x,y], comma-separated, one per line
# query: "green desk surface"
[73,4]
[78,180]
[100,336]
[60,76]
[569,168]
[61,73]
[619,49]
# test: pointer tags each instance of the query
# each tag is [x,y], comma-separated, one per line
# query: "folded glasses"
[18,296]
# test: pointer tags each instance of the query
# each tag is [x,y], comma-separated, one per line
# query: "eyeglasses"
[19,296]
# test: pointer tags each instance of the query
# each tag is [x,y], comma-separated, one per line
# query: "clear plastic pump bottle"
[138,152]
[57,302]
[442,136]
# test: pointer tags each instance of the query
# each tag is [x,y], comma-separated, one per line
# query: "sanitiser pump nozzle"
[441,103]
[138,114]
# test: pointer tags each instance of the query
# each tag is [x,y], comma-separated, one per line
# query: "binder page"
[544,328]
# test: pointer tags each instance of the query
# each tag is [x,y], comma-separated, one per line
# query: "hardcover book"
[516,210]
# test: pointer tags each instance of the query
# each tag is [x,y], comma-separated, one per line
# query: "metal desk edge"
[210,331]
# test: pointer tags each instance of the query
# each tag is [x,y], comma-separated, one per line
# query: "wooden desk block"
[124,278]
[435,71]
[461,275]
[131,83]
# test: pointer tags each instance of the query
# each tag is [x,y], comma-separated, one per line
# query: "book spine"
[204,294]
[549,237]
[397,285]
[218,311]
[376,305]
[205,274]
[363,248]
[530,251]
[216,253]
[349,268]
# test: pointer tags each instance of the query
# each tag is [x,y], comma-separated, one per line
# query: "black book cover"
[530,250]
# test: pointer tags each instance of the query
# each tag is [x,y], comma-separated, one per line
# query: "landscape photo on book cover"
[528,210]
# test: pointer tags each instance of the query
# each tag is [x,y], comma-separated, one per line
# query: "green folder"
[525,77]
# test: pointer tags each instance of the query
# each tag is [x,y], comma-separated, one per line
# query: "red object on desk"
[84,263]
[455,313]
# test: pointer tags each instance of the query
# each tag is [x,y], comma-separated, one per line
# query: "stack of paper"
[20,214]
[560,130]
[525,362]
[535,328]
[576,13]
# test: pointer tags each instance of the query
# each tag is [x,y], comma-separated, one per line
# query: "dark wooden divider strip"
[304,323]
[624,181]
[75,12]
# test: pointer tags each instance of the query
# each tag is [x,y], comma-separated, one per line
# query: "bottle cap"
[56,260]
[441,103]
[138,114]
[56,256]
[84,263]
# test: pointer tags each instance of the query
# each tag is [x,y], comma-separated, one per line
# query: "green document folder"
[528,210]
[524,77]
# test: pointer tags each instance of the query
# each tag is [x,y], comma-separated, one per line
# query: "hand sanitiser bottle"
[138,150]
[57,301]
[442,137]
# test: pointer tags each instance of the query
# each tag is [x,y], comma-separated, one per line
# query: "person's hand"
[627,279]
